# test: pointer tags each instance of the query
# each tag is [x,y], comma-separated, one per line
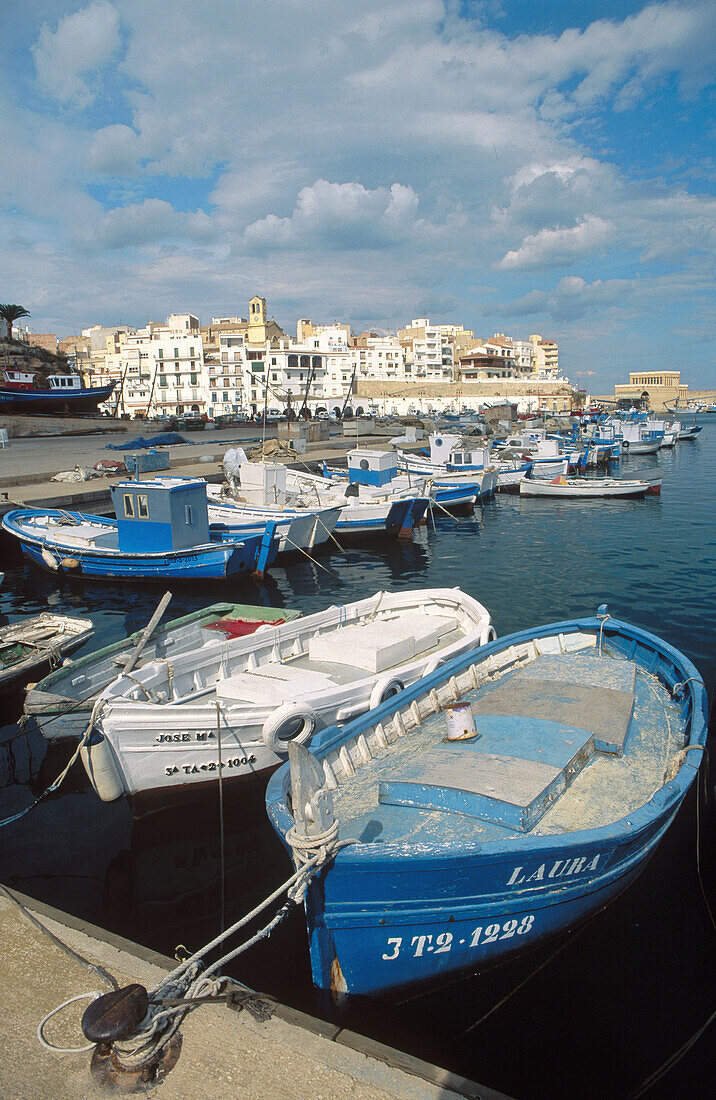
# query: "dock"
[224,1052]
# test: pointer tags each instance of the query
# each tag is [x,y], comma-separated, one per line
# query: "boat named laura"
[493,804]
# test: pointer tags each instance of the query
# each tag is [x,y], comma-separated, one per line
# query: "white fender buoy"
[101,768]
[49,559]
[383,689]
[289,722]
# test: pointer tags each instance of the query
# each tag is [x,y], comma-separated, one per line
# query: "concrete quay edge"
[222,1049]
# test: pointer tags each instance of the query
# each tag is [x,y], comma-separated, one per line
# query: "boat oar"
[147,633]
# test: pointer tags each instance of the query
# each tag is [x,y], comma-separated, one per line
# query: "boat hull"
[54,401]
[387,916]
[479,912]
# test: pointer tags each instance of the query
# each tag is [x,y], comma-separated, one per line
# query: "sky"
[517,168]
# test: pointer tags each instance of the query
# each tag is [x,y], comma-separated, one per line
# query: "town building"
[545,356]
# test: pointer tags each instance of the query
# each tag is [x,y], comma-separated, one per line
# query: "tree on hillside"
[10,314]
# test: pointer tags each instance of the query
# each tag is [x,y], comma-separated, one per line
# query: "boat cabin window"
[458,459]
[128,501]
[188,515]
[143,506]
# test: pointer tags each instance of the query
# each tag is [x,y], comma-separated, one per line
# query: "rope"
[41,1026]
[61,777]
[330,534]
[104,975]
[188,983]
[307,555]
[671,1062]
[678,688]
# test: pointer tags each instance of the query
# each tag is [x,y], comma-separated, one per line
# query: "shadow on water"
[615,997]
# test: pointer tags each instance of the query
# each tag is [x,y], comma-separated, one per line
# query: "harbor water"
[592,1014]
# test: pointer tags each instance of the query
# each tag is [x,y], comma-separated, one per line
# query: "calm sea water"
[622,993]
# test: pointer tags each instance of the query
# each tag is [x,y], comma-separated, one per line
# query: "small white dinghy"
[235,707]
[41,641]
[588,488]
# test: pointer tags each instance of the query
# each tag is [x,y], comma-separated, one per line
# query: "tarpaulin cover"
[237,628]
[162,440]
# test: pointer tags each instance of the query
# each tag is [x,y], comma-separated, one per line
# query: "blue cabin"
[369,467]
[164,513]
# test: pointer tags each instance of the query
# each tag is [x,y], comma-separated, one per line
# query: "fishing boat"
[161,532]
[297,529]
[366,466]
[588,488]
[32,644]
[364,510]
[452,460]
[20,392]
[689,432]
[639,439]
[61,704]
[495,803]
[237,706]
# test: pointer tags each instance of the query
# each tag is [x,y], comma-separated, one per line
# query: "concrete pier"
[224,1053]
[28,465]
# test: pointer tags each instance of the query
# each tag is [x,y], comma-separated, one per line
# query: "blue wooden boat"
[161,532]
[64,394]
[578,744]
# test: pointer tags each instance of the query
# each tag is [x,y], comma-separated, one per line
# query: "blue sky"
[518,168]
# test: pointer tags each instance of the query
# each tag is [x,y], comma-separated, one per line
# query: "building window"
[293,360]
[191,353]
[176,353]
[161,353]
[193,379]
[128,502]
[316,362]
[305,361]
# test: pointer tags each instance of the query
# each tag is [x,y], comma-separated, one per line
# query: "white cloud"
[344,215]
[557,247]
[143,224]
[82,43]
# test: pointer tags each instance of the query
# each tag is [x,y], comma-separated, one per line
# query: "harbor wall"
[23,425]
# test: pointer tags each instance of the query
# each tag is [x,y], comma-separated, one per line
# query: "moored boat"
[62,702]
[19,392]
[588,488]
[161,533]
[494,804]
[35,643]
[237,706]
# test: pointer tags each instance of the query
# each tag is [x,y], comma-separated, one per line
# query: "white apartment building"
[429,351]
[162,370]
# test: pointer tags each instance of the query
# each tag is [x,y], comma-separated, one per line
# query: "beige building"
[546,356]
[656,388]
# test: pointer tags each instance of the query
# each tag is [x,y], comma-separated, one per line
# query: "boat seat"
[510,775]
[382,643]
[581,689]
[271,684]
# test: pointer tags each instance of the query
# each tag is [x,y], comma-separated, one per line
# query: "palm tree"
[12,313]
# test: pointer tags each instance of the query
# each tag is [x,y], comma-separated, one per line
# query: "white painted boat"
[62,702]
[455,457]
[234,708]
[588,488]
[364,509]
[38,642]
[297,528]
